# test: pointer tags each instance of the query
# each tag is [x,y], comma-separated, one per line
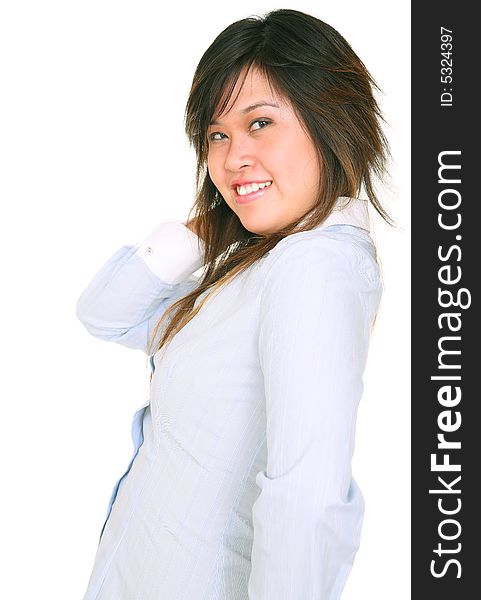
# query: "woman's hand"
[194,226]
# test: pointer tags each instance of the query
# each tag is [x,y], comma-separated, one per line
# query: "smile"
[250,192]
[243,190]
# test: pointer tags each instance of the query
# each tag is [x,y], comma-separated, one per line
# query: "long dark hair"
[307,62]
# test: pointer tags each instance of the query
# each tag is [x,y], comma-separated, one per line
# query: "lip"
[245,182]
[250,197]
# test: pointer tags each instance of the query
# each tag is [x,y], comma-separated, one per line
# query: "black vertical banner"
[446,259]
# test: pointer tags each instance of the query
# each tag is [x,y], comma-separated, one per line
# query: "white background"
[92,156]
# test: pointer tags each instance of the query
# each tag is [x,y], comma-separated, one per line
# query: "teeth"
[253,187]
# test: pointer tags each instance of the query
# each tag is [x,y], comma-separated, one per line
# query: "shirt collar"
[348,211]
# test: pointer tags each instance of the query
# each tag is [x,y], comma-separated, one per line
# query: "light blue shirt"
[240,486]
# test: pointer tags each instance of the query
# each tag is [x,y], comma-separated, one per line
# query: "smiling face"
[259,139]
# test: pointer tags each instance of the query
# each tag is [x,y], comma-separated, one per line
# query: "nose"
[240,154]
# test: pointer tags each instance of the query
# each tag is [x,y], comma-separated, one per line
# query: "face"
[259,139]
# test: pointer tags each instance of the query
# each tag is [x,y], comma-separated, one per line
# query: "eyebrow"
[249,109]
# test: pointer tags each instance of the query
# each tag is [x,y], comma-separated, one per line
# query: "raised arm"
[319,300]
[131,291]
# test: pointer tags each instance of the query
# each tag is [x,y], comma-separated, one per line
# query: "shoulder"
[337,252]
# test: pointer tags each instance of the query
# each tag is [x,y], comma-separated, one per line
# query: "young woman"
[240,486]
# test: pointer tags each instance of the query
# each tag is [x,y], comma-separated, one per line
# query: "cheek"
[292,158]
[283,163]
[209,167]
[214,170]
[311,175]
[308,165]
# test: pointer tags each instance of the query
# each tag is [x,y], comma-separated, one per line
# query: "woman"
[240,485]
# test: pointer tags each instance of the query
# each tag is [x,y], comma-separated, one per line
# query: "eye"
[211,137]
[217,136]
[265,121]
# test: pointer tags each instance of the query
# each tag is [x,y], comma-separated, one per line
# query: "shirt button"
[149,249]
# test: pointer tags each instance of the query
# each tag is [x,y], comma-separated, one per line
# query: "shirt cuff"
[172,251]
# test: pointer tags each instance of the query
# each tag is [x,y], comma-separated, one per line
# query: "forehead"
[250,88]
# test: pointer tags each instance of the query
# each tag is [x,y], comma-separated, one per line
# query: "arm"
[318,303]
[131,291]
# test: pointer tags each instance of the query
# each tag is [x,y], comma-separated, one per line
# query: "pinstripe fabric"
[240,486]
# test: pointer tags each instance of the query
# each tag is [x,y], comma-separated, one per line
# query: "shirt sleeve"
[319,300]
[131,291]
[172,251]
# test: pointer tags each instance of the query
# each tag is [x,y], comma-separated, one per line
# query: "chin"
[259,229]
[256,224]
